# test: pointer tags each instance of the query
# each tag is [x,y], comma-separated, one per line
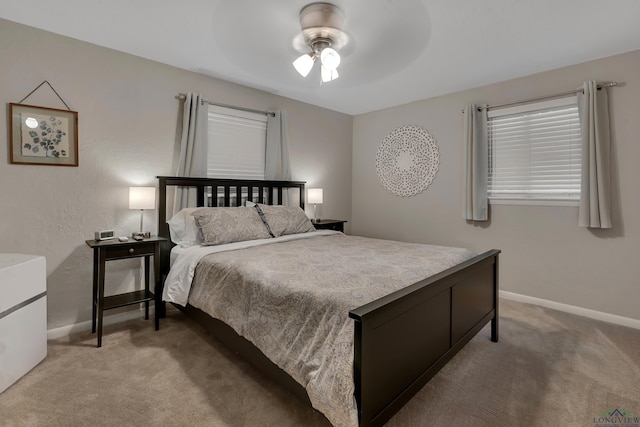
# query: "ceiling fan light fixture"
[304,64]
[321,28]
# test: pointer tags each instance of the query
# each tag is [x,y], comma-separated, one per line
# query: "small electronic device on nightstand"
[105,235]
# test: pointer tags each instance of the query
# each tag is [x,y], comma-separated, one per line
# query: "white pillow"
[183,228]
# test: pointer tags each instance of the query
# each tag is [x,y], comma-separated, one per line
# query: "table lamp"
[315,197]
[142,198]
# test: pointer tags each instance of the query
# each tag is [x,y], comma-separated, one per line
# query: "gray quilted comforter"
[292,299]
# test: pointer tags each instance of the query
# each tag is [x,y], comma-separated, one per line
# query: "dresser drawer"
[132,250]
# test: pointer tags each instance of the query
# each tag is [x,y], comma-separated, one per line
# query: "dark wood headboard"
[228,192]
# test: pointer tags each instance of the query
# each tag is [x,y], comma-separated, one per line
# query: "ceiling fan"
[321,25]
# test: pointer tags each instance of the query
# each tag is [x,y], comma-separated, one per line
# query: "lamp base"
[141,234]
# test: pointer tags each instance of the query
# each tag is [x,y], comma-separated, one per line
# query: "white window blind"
[535,151]
[237,142]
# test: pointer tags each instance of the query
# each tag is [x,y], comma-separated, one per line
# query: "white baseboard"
[592,314]
[74,328]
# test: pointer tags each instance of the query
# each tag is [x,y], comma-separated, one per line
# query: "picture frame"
[43,136]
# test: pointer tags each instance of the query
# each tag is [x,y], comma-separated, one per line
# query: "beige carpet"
[549,369]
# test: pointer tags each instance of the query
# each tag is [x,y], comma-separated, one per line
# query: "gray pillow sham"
[283,220]
[227,225]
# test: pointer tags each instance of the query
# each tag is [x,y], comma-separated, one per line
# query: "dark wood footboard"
[404,339]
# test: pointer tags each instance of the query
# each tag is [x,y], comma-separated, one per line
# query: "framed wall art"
[43,136]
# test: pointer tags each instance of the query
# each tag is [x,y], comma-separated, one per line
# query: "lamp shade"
[330,58]
[328,74]
[314,195]
[142,197]
[304,64]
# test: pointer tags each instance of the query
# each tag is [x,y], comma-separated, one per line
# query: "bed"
[398,340]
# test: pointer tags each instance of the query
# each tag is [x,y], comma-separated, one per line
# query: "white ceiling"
[399,51]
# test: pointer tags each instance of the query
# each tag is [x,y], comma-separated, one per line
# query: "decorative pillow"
[284,220]
[183,228]
[228,225]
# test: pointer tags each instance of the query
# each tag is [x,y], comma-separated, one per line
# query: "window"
[237,145]
[237,142]
[535,152]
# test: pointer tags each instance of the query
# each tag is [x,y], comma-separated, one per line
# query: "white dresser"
[23,315]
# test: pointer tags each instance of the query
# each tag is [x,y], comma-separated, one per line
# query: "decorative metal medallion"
[407,161]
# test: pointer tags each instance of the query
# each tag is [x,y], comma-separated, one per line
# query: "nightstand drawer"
[132,250]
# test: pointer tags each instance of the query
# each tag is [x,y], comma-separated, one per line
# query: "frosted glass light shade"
[142,197]
[330,58]
[328,74]
[314,195]
[304,64]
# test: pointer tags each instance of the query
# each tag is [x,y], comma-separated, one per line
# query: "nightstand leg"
[158,305]
[101,268]
[94,301]
[146,286]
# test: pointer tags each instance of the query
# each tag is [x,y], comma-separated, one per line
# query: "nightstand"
[329,224]
[108,250]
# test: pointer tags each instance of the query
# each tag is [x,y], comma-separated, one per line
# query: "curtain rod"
[542,98]
[249,110]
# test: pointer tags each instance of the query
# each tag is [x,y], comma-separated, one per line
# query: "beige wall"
[545,254]
[128,117]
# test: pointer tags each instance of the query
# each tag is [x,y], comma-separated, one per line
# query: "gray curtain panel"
[277,164]
[476,166]
[193,148]
[595,193]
